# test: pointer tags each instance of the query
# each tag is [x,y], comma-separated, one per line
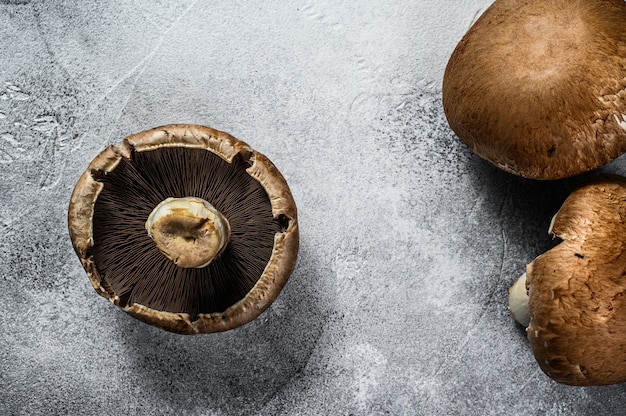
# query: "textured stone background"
[409,241]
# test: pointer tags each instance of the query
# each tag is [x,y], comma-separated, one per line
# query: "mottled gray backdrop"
[408,240]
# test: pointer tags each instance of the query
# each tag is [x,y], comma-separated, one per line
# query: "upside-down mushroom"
[186,228]
[538,87]
[571,298]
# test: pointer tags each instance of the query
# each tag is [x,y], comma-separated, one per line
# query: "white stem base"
[518,301]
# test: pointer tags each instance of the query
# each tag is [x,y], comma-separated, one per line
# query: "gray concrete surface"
[408,240]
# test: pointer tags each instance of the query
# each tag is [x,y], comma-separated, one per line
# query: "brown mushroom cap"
[538,87]
[121,187]
[576,290]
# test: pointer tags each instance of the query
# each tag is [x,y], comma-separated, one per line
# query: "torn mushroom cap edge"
[286,243]
[518,291]
[581,221]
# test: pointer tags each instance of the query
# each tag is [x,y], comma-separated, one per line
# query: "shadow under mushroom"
[241,369]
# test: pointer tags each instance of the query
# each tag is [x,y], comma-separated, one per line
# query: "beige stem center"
[189,231]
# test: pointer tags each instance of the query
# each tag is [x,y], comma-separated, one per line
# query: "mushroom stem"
[518,301]
[189,231]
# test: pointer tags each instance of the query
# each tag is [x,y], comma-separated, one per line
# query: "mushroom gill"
[130,263]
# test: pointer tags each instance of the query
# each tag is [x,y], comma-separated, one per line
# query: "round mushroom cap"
[577,306]
[538,87]
[114,198]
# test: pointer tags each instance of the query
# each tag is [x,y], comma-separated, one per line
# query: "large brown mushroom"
[571,298]
[186,228]
[538,87]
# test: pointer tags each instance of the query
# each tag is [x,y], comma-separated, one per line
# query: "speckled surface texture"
[408,240]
